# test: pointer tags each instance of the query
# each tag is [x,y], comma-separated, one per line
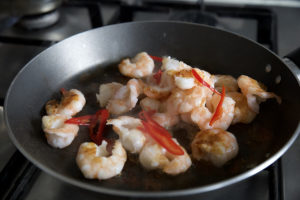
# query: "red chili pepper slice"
[159,59]
[197,76]
[92,121]
[162,139]
[83,120]
[159,134]
[146,116]
[63,91]
[218,112]
[157,76]
[99,118]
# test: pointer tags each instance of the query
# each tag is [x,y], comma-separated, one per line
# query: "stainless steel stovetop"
[75,19]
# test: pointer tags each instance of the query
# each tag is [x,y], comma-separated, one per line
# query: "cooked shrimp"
[153,156]
[229,82]
[162,117]
[59,134]
[170,64]
[71,103]
[141,65]
[254,92]
[186,117]
[202,115]
[166,120]
[182,75]
[106,91]
[242,112]
[130,136]
[214,145]
[124,98]
[184,79]
[148,104]
[95,162]
[183,101]
[161,90]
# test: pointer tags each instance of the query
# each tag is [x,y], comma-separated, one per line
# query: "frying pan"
[88,59]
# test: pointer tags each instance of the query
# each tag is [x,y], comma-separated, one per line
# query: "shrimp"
[184,79]
[130,136]
[71,103]
[242,112]
[255,92]
[95,162]
[227,81]
[148,104]
[161,90]
[153,156]
[171,65]
[183,101]
[186,117]
[106,91]
[166,120]
[162,117]
[59,134]
[141,66]
[182,73]
[214,145]
[202,115]
[122,99]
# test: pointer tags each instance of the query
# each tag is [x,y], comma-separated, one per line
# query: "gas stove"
[19,179]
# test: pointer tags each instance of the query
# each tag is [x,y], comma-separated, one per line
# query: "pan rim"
[138,193]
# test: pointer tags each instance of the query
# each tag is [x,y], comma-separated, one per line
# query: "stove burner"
[40,21]
[199,17]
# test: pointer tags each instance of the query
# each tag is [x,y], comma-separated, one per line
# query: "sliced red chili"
[161,138]
[159,134]
[63,91]
[218,113]
[159,59]
[99,119]
[147,116]
[157,76]
[198,77]
[83,120]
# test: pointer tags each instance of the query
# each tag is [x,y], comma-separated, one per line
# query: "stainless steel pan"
[88,59]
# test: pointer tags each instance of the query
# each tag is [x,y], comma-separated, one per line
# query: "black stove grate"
[18,176]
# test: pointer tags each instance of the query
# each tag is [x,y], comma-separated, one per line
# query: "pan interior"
[87,60]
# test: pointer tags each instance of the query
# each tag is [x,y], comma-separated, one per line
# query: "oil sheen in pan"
[256,142]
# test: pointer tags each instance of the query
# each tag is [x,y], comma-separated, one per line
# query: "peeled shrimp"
[184,79]
[227,81]
[71,103]
[120,99]
[130,136]
[95,162]
[153,156]
[106,91]
[162,117]
[171,65]
[182,73]
[166,120]
[141,65]
[161,90]
[148,104]
[242,112]
[183,101]
[202,115]
[254,92]
[59,134]
[214,145]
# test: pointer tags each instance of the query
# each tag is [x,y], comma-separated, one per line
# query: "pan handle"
[292,60]
[295,56]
